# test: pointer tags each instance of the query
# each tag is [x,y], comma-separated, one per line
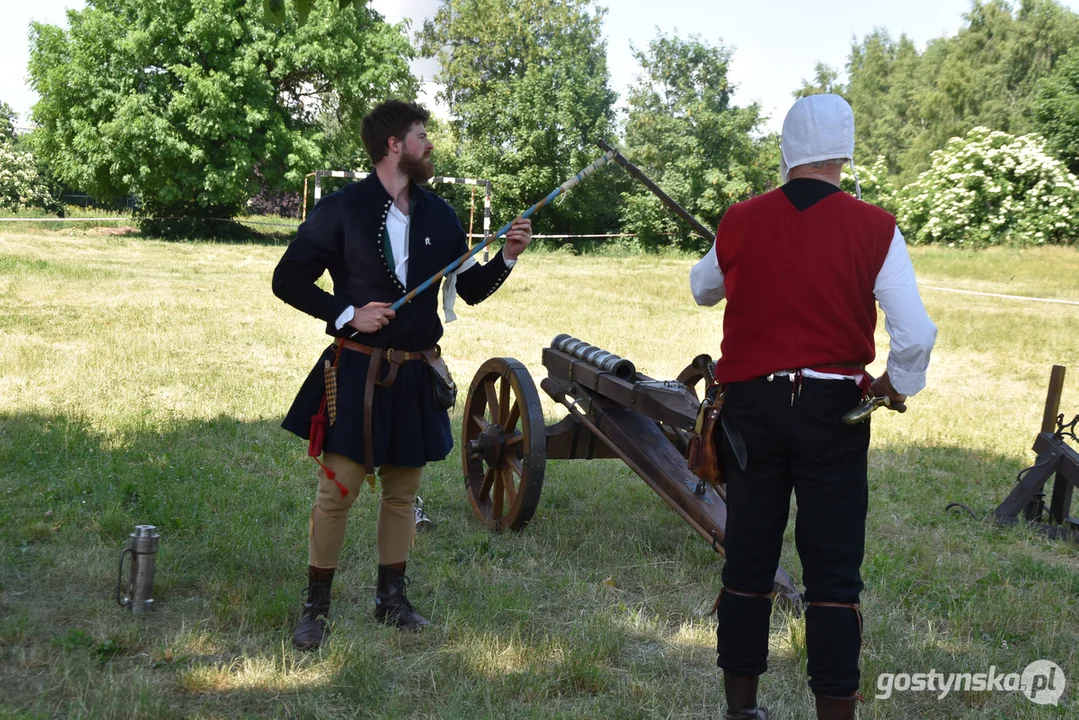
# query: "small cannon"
[614,412]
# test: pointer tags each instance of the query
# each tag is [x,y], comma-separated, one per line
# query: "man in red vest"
[802,268]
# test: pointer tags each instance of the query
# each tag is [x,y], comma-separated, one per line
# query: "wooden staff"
[680,211]
[596,165]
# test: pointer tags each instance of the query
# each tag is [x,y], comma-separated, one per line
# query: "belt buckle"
[389,355]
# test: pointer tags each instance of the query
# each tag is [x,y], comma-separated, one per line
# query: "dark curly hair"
[392,118]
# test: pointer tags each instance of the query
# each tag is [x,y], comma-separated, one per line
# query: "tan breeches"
[396,511]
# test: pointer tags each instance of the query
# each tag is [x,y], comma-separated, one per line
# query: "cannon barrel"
[597,357]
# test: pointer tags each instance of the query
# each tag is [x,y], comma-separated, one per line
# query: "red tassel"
[318,435]
[332,476]
[342,488]
[314,449]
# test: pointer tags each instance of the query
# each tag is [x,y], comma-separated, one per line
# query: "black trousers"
[795,440]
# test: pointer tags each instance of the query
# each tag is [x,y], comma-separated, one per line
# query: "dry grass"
[142,381]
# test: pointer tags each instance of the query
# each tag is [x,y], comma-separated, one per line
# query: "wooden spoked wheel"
[503,445]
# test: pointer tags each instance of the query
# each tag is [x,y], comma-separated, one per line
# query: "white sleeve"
[706,279]
[344,318]
[911,331]
[449,287]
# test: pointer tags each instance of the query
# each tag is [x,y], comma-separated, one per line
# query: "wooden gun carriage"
[614,412]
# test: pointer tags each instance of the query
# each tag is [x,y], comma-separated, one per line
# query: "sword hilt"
[864,409]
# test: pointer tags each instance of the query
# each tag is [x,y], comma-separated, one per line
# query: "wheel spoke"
[515,440]
[497,495]
[513,417]
[511,487]
[485,488]
[481,422]
[515,464]
[504,401]
[492,399]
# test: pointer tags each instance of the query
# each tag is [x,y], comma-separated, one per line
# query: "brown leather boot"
[313,626]
[741,693]
[833,708]
[391,605]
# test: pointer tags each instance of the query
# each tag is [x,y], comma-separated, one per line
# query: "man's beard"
[417,169]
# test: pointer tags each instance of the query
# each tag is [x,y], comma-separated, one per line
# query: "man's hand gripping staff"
[374,316]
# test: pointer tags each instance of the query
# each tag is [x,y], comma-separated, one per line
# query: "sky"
[776,43]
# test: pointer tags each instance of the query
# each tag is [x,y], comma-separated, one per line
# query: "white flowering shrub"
[991,188]
[21,186]
[875,182]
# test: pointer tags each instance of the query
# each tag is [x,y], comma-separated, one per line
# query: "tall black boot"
[741,694]
[834,708]
[313,626]
[391,605]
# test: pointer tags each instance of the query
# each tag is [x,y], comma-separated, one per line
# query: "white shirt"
[397,224]
[911,331]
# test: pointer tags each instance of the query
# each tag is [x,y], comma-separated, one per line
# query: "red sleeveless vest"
[799,285]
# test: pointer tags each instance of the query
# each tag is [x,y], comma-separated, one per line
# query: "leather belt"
[833,368]
[855,371]
[396,358]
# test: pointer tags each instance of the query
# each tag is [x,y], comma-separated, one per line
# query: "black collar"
[417,195]
[804,193]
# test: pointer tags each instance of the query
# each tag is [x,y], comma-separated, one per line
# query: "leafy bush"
[21,185]
[877,187]
[992,188]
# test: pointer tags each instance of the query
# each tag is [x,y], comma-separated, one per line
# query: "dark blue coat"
[343,235]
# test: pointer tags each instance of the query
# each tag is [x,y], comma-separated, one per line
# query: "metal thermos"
[142,545]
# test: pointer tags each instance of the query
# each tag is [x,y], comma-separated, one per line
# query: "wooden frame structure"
[1056,460]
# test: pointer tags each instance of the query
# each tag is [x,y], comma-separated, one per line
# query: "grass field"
[143,382]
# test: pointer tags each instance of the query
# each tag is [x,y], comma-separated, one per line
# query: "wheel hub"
[490,445]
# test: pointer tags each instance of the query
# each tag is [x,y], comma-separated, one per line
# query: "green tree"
[7,122]
[908,104]
[881,91]
[527,83]
[276,10]
[825,82]
[180,103]
[683,131]
[1056,110]
[987,74]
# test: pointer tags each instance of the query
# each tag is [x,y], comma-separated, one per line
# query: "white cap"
[818,127]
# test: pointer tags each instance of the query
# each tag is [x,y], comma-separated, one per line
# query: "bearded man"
[801,268]
[371,397]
